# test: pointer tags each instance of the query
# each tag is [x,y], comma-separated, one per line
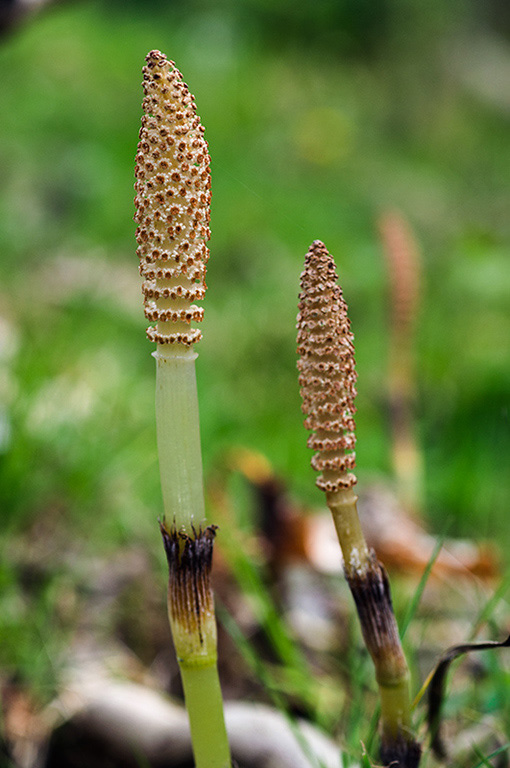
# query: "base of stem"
[204,703]
[402,751]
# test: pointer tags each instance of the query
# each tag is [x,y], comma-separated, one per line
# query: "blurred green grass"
[314,128]
[306,142]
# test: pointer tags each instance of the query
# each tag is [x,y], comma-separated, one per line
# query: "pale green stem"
[396,706]
[342,505]
[180,464]
[205,709]
[177,421]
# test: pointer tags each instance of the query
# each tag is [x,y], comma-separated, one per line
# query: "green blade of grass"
[485,760]
[253,660]
[490,606]
[415,601]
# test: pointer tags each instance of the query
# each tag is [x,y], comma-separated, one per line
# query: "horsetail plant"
[172,211]
[328,389]
[403,268]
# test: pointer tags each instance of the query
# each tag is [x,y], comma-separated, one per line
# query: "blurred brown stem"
[403,265]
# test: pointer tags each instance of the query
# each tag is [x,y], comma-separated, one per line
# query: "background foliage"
[319,116]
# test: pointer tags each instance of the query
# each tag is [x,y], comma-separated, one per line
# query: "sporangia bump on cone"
[327,371]
[172,204]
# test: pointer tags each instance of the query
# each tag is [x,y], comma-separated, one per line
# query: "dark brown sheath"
[190,597]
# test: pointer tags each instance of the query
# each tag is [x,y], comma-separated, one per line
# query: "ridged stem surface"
[202,693]
[178,432]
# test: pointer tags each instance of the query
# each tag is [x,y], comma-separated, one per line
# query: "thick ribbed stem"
[205,708]
[177,422]
[327,378]
[342,505]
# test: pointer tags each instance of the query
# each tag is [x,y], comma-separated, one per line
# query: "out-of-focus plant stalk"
[172,211]
[403,267]
[328,378]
